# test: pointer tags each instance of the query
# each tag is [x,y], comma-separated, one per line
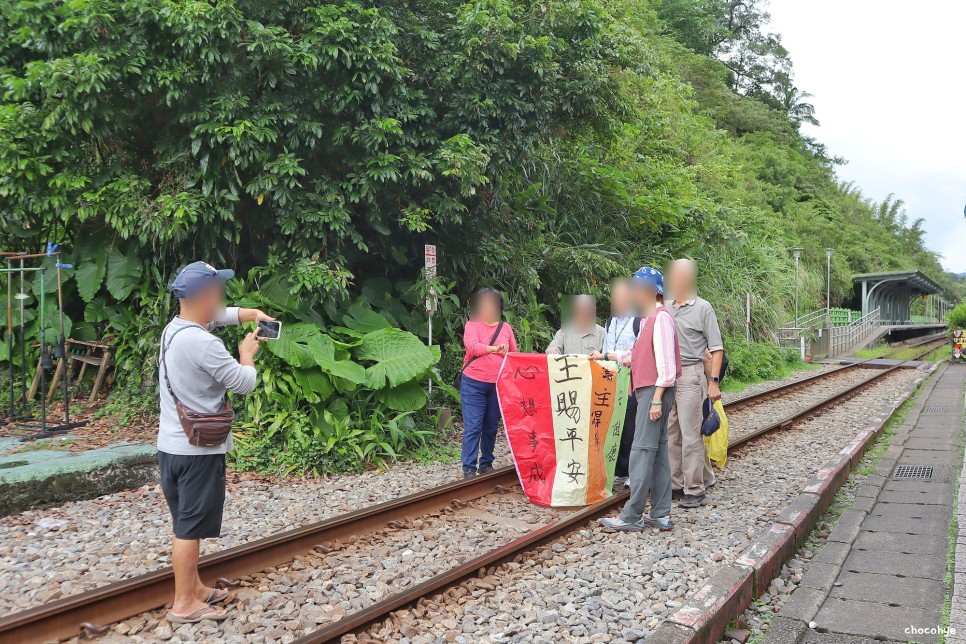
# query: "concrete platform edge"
[64,487]
[704,615]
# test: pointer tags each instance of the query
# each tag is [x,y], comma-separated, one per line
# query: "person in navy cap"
[655,362]
[197,370]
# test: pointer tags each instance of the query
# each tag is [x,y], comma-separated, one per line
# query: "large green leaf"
[293,346]
[315,385]
[54,320]
[83,331]
[399,356]
[364,320]
[123,273]
[50,276]
[96,310]
[323,351]
[90,274]
[408,396]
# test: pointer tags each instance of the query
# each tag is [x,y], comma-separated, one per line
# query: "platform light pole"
[828,285]
[797,254]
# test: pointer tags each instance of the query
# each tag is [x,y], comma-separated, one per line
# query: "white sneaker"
[616,524]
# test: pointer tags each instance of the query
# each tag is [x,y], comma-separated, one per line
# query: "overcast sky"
[889,86]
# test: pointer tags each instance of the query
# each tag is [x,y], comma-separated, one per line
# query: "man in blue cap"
[198,370]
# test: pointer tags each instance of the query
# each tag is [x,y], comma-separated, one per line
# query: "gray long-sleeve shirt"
[200,370]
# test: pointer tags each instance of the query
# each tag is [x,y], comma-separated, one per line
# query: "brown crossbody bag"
[202,430]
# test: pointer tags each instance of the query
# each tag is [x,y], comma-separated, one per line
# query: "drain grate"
[946,385]
[916,472]
[937,409]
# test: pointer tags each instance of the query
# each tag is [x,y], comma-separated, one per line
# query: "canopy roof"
[913,282]
[892,291]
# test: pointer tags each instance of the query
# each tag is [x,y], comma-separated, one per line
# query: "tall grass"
[751,265]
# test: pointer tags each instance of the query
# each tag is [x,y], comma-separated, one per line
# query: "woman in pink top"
[487,339]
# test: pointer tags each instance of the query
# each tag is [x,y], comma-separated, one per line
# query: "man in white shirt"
[199,371]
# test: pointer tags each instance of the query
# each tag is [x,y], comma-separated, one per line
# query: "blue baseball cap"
[711,422]
[196,277]
[650,277]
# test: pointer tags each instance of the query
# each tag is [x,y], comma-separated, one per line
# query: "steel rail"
[813,409]
[751,399]
[362,619]
[67,617]
[64,618]
[931,338]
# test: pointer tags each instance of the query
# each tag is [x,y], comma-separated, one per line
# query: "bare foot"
[184,610]
[211,595]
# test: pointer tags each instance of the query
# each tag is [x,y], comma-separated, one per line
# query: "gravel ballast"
[593,586]
[569,591]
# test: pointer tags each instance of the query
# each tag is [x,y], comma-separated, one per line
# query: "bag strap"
[496,334]
[164,348]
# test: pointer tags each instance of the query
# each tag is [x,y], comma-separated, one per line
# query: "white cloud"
[887,79]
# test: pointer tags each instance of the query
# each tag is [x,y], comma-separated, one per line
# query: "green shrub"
[339,397]
[957,317]
[757,361]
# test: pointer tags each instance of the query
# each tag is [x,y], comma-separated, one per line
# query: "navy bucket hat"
[198,276]
[711,422]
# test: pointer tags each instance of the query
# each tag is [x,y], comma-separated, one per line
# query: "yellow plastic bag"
[717,443]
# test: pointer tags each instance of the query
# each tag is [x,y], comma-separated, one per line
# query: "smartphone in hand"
[269,330]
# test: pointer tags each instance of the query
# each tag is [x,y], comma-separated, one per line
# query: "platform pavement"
[39,474]
[883,574]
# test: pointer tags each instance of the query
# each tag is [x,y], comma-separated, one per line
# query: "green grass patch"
[443,451]
[902,353]
[940,354]
[735,386]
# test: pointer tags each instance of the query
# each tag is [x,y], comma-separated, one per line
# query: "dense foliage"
[957,317]
[545,147]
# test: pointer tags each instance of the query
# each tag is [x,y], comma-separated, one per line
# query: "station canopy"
[892,293]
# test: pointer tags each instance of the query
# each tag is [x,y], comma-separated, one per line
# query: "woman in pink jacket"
[655,361]
[487,339]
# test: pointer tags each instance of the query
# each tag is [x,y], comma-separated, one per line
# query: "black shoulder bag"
[459,377]
[202,429]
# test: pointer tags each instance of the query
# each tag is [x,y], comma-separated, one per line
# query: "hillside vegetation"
[545,147]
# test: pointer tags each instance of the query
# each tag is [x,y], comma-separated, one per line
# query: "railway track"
[89,611]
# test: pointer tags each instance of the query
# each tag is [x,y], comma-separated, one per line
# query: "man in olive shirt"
[580,335]
[698,332]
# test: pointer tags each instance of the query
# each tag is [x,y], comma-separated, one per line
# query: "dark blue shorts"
[194,487]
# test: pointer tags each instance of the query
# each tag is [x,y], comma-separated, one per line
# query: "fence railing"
[810,320]
[790,335]
[829,340]
[844,338]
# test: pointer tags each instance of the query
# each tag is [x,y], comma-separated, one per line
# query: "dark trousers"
[481,416]
[627,437]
